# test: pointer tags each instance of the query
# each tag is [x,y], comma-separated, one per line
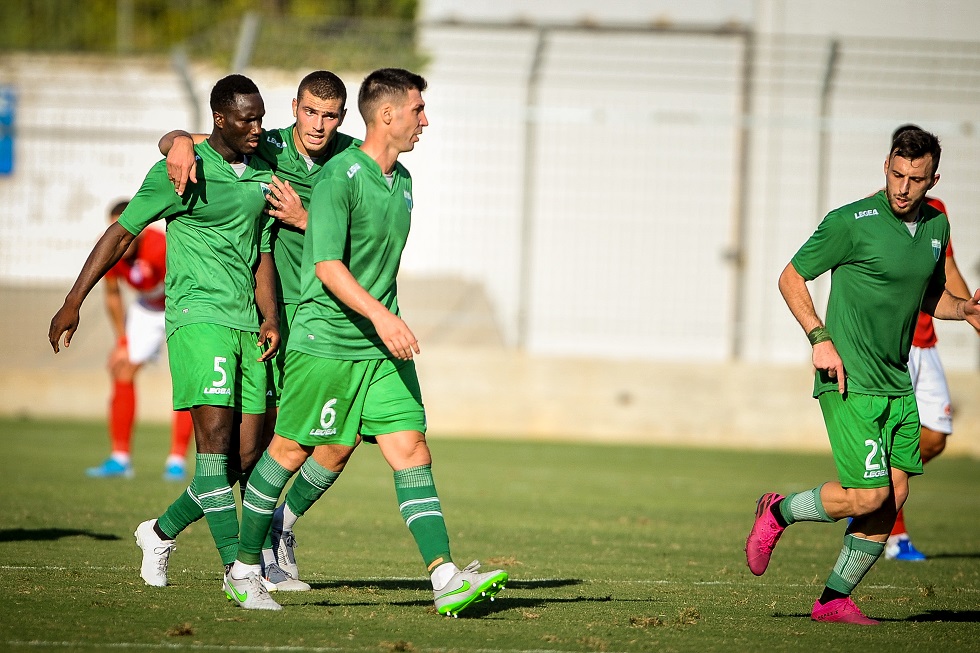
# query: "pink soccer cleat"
[764,534]
[842,611]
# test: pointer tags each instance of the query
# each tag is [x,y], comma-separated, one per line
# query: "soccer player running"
[887,256]
[221,279]
[140,332]
[296,154]
[349,363]
[931,390]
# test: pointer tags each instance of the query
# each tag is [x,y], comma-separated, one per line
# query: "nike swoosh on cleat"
[465,587]
[240,597]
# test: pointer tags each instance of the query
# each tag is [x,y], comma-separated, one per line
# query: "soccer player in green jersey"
[349,364]
[220,283]
[887,257]
[296,154]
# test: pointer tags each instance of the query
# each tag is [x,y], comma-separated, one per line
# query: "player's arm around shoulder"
[178,147]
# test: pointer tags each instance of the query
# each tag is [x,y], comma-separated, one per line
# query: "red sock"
[122,412]
[183,427]
[899,527]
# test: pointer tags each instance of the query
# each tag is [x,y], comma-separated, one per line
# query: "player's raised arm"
[392,330]
[110,248]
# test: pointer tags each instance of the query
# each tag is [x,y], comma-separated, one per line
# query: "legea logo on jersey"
[864,214]
[275,141]
[937,248]
[351,171]
[408,200]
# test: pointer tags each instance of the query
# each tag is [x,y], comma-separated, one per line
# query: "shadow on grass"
[48,534]
[422,584]
[954,616]
[954,556]
[930,616]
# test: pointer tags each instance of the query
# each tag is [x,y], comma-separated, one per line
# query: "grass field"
[609,549]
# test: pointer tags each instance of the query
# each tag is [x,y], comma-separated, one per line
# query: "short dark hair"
[912,142]
[386,84]
[324,85]
[224,91]
[904,128]
[117,209]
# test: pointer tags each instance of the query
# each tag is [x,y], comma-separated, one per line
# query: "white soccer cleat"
[281,581]
[467,587]
[250,593]
[156,554]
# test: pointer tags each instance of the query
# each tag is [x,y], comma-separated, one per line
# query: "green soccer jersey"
[880,274]
[278,149]
[214,235]
[356,218]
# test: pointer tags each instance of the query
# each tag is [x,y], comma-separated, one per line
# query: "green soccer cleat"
[467,587]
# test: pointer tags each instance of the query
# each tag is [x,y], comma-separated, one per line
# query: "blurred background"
[605,196]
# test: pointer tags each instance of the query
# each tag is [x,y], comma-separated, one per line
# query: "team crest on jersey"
[265,188]
[408,200]
[351,171]
[937,248]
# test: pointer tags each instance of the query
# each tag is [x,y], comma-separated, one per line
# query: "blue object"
[111,468]
[174,472]
[907,552]
[7,103]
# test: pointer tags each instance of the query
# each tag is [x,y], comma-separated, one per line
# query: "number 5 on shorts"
[218,360]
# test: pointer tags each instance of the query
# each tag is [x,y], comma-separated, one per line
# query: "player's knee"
[288,453]
[868,501]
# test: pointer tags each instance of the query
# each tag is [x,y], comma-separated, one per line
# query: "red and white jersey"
[925,332]
[146,269]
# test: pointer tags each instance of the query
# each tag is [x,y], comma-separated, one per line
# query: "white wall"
[634,170]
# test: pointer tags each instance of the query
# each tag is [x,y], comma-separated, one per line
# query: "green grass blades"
[608,548]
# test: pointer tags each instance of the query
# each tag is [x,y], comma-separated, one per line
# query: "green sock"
[856,558]
[313,480]
[420,508]
[264,487]
[210,486]
[804,506]
[182,513]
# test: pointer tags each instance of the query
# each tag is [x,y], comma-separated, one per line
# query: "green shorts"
[871,434]
[330,401]
[213,365]
[286,314]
